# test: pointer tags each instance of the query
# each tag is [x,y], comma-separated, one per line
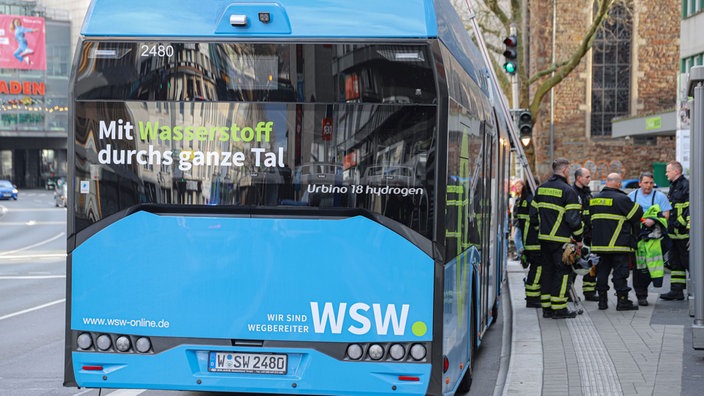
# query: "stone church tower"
[631,71]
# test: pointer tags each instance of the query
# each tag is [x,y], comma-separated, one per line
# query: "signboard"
[653,123]
[22,42]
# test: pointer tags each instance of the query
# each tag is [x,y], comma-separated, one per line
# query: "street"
[32,289]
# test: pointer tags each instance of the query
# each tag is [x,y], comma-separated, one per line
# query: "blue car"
[7,190]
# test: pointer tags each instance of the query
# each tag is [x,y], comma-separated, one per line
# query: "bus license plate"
[257,363]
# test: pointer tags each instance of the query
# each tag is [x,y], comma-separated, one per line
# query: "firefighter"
[677,229]
[615,221]
[557,212]
[530,255]
[582,177]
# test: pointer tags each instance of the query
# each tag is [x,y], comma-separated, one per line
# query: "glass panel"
[256,72]
[622,102]
[372,156]
[611,70]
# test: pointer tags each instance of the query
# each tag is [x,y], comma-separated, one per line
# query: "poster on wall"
[22,42]
[683,123]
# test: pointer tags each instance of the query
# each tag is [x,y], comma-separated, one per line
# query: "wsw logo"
[359,318]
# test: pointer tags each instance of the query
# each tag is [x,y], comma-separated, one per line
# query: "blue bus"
[289,196]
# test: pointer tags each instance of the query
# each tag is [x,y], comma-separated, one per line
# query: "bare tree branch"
[561,71]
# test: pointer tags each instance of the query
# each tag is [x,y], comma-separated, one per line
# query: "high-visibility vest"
[649,253]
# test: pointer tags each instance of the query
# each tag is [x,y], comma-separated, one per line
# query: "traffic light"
[525,126]
[511,54]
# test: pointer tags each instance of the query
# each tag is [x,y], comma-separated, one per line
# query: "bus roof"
[288,18]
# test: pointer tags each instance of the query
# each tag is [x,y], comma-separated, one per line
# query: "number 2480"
[157,50]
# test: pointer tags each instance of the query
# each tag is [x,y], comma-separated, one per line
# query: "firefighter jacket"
[615,222]
[530,234]
[679,199]
[585,194]
[556,210]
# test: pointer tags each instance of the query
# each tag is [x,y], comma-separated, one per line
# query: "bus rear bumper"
[309,372]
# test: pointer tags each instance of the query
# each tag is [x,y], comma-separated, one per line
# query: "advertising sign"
[22,42]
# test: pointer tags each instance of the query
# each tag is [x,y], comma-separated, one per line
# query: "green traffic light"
[510,67]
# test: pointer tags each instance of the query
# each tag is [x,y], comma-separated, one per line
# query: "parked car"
[8,190]
[61,195]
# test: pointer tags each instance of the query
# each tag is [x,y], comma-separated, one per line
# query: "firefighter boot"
[675,293]
[563,313]
[624,304]
[533,302]
[603,301]
[590,296]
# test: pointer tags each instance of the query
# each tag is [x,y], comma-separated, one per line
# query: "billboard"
[22,42]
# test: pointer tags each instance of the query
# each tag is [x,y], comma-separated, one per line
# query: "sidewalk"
[598,353]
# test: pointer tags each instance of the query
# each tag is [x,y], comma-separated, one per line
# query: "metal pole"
[552,90]
[514,77]
[696,204]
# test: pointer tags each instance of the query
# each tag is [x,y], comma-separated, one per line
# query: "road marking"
[6,277]
[5,254]
[127,392]
[32,256]
[52,209]
[28,310]
[31,223]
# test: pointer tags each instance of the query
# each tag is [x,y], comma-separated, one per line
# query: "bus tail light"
[418,352]
[445,364]
[355,351]
[84,341]
[376,352]
[103,342]
[112,343]
[122,343]
[397,351]
[143,345]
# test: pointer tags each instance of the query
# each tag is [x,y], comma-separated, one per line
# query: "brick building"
[630,73]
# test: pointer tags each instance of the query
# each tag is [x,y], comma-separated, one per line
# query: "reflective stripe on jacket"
[615,221]
[556,209]
[530,231]
[679,199]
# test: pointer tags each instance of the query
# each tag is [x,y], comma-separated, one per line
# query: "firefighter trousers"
[616,264]
[535,275]
[555,283]
[679,264]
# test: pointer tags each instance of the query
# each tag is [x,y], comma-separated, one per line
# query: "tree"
[495,18]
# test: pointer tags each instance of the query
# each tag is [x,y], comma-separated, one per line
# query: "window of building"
[611,70]
[691,7]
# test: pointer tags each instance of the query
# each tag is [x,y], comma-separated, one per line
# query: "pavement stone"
[605,352]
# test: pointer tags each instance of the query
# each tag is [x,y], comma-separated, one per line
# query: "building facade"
[631,72]
[33,92]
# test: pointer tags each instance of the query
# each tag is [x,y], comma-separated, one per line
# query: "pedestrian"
[557,213]
[531,257]
[615,221]
[646,196]
[582,178]
[517,193]
[677,229]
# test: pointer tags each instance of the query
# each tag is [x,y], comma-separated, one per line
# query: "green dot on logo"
[419,329]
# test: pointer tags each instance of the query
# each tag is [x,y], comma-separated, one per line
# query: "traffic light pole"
[514,78]
[520,154]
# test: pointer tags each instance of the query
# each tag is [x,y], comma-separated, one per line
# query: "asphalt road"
[32,308]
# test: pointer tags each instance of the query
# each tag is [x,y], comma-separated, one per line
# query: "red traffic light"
[511,41]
